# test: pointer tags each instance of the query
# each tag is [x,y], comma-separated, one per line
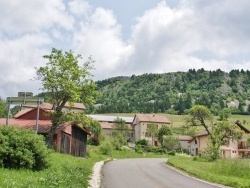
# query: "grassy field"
[230,172]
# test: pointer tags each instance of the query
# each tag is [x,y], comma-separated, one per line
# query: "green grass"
[230,172]
[64,171]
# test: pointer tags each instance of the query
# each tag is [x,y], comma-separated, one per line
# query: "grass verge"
[229,172]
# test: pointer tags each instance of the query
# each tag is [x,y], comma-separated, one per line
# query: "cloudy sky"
[123,37]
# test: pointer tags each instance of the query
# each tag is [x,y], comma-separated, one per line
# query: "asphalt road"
[146,173]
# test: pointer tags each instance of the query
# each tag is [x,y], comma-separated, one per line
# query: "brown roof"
[153,118]
[49,106]
[107,125]
[204,132]
[43,125]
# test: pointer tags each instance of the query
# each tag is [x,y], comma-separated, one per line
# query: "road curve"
[146,173]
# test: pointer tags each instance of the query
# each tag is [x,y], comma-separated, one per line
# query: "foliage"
[152,129]
[3,108]
[22,148]
[142,142]
[118,141]
[138,148]
[164,130]
[67,81]
[199,113]
[174,92]
[222,132]
[120,127]
[224,114]
[106,147]
[171,143]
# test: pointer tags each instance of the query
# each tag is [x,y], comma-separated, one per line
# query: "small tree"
[163,131]
[120,130]
[224,114]
[171,143]
[152,129]
[120,127]
[222,131]
[66,81]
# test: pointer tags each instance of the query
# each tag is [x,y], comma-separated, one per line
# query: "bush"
[106,147]
[142,142]
[22,148]
[171,152]
[138,149]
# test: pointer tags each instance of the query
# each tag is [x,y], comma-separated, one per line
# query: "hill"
[174,92]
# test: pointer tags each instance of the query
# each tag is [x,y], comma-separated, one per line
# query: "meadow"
[229,172]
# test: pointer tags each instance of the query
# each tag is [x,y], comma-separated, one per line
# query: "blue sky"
[123,37]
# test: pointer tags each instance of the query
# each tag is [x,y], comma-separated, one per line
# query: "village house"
[69,138]
[231,148]
[141,123]
[108,125]
[184,141]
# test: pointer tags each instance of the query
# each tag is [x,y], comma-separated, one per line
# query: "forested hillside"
[175,92]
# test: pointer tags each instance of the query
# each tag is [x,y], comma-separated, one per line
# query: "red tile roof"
[22,112]
[152,118]
[43,125]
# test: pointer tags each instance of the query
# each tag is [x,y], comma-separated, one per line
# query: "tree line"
[174,92]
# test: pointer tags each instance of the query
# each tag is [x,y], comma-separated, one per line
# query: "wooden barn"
[69,138]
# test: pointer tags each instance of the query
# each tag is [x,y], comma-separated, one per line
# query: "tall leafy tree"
[198,114]
[67,81]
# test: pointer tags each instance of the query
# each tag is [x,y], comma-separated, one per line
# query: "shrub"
[118,141]
[172,152]
[138,149]
[106,147]
[142,142]
[157,149]
[171,143]
[22,148]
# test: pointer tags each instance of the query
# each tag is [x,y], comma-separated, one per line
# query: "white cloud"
[18,58]
[27,16]
[79,7]
[100,37]
[166,39]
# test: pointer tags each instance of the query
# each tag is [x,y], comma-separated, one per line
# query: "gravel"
[95,181]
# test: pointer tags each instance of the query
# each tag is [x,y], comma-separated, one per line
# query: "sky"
[123,37]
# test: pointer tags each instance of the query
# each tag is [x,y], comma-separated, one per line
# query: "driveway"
[146,173]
